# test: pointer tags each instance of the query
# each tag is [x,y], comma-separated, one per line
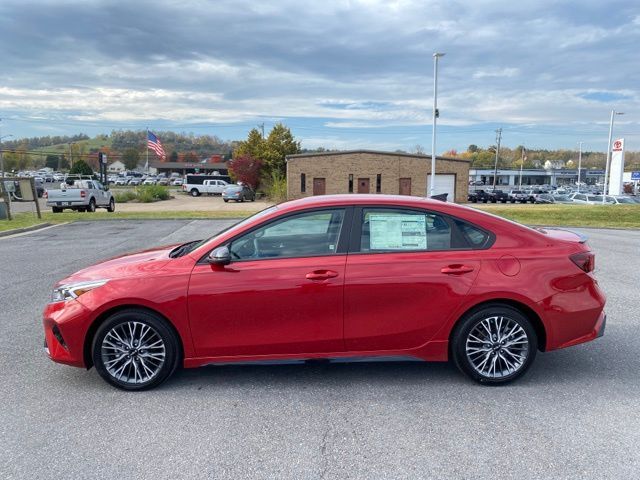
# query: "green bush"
[153,193]
[143,194]
[276,187]
[126,196]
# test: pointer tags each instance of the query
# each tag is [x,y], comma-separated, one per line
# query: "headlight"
[74,290]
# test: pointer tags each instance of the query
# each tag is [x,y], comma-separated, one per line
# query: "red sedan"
[338,277]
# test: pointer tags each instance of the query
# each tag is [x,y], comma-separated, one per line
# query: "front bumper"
[603,325]
[65,326]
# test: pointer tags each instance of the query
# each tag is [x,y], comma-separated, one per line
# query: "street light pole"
[606,169]
[579,163]
[495,169]
[432,189]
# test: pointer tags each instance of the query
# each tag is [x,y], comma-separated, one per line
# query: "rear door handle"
[456,269]
[321,275]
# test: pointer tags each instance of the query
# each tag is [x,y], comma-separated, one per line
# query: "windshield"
[191,246]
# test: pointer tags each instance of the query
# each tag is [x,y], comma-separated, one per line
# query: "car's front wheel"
[135,350]
[494,345]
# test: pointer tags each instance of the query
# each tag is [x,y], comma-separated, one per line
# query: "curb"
[15,231]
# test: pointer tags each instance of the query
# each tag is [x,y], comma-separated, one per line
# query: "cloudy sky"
[341,74]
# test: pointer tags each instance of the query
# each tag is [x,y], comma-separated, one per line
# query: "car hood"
[129,265]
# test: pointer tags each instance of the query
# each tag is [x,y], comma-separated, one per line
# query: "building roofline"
[376,152]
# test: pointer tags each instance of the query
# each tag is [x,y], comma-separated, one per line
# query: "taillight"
[83,194]
[45,194]
[584,260]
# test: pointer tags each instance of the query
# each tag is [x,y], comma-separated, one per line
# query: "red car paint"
[340,305]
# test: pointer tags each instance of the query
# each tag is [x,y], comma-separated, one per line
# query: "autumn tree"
[278,145]
[254,145]
[246,169]
[131,158]
[80,167]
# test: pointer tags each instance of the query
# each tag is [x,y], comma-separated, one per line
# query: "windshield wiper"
[183,249]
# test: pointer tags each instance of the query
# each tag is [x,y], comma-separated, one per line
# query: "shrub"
[276,187]
[153,193]
[126,196]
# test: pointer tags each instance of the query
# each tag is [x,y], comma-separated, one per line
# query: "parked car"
[122,181]
[498,196]
[518,196]
[149,181]
[82,195]
[586,199]
[478,196]
[135,181]
[533,193]
[209,187]
[239,193]
[163,181]
[561,198]
[544,198]
[336,277]
[177,182]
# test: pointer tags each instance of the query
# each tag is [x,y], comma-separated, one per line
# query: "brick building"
[368,171]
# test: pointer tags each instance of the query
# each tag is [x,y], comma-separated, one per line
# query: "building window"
[303,183]
[350,183]
[379,183]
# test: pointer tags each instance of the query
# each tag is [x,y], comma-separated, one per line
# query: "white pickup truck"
[210,187]
[82,195]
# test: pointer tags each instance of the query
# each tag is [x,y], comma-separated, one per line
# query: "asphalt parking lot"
[576,414]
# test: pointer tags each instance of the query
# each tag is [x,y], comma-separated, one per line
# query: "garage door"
[445,183]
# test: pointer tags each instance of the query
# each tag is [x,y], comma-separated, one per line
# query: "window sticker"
[397,232]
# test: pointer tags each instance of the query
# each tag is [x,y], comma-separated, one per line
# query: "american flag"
[154,144]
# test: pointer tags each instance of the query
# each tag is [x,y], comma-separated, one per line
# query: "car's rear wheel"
[135,350]
[195,192]
[92,206]
[494,345]
[56,209]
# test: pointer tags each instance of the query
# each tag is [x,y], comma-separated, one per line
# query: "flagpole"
[146,143]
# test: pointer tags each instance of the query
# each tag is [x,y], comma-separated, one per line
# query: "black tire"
[195,192]
[81,209]
[467,325]
[112,206]
[159,327]
[92,206]
[56,209]
[225,200]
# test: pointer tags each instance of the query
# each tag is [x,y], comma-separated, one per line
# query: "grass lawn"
[22,220]
[606,216]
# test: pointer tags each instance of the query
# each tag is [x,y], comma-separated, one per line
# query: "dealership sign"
[617,168]
[635,175]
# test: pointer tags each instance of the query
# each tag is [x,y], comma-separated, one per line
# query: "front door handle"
[456,269]
[321,275]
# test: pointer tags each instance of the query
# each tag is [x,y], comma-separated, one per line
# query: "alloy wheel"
[497,347]
[133,352]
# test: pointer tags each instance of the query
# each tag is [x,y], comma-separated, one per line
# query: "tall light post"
[579,163]
[436,114]
[606,169]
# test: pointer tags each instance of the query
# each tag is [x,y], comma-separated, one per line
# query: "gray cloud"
[343,61]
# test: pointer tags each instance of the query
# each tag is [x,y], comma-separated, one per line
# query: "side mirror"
[219,256]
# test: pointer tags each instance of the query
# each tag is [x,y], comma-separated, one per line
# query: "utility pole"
[436,114]
[579,163]
[495,169]
[521,165]
[261,127]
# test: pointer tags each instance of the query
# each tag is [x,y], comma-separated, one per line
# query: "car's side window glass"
[303,235]
[475,237]
[397,230]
